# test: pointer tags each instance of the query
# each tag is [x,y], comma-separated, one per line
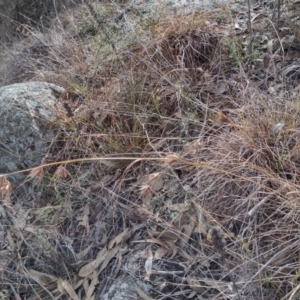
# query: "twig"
[262,202]
[168,272]
[250,34]
[278,12]
[217,238]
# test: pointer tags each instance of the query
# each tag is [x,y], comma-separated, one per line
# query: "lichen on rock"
[26,112]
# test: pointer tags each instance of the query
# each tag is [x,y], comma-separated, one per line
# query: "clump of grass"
[171,143]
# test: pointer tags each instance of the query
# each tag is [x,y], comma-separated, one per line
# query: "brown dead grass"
[194,178]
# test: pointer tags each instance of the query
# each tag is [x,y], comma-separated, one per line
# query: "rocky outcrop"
[26,113]
[8,13]
[16,13]
[127,285]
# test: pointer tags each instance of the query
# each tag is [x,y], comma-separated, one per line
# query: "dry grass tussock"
[170,166]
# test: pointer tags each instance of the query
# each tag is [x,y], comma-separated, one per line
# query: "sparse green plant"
[4,294]
[297,275]
[266,280]
[235,50]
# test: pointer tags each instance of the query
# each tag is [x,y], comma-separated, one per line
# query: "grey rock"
[181,6]
[124,286]
[26,113]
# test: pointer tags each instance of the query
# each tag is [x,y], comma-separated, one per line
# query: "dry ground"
[176,163]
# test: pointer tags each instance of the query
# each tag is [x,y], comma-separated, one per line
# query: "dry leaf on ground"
[86,284]
[91,288]
[111,254]
[84,221]
[4,259]
[84,252]
[160,252]
[22,215]
[5,187]
[155,241]
[221,286]
[196,285]
[178,114]
[37,172]
[170,158]
[11,242]
[142,294]
[155,181]
[159,144]
[91,266]
[166,234]
[62,172]
[119,258]
[122,237]
[42,278]
[202,220]
[192,148]
[146,193]
[187,229]
[180,207]
[223,119]
[69,289]
[148,265]
[2,212]
[142,213]
[173,247]
[60,287]
[185,255]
